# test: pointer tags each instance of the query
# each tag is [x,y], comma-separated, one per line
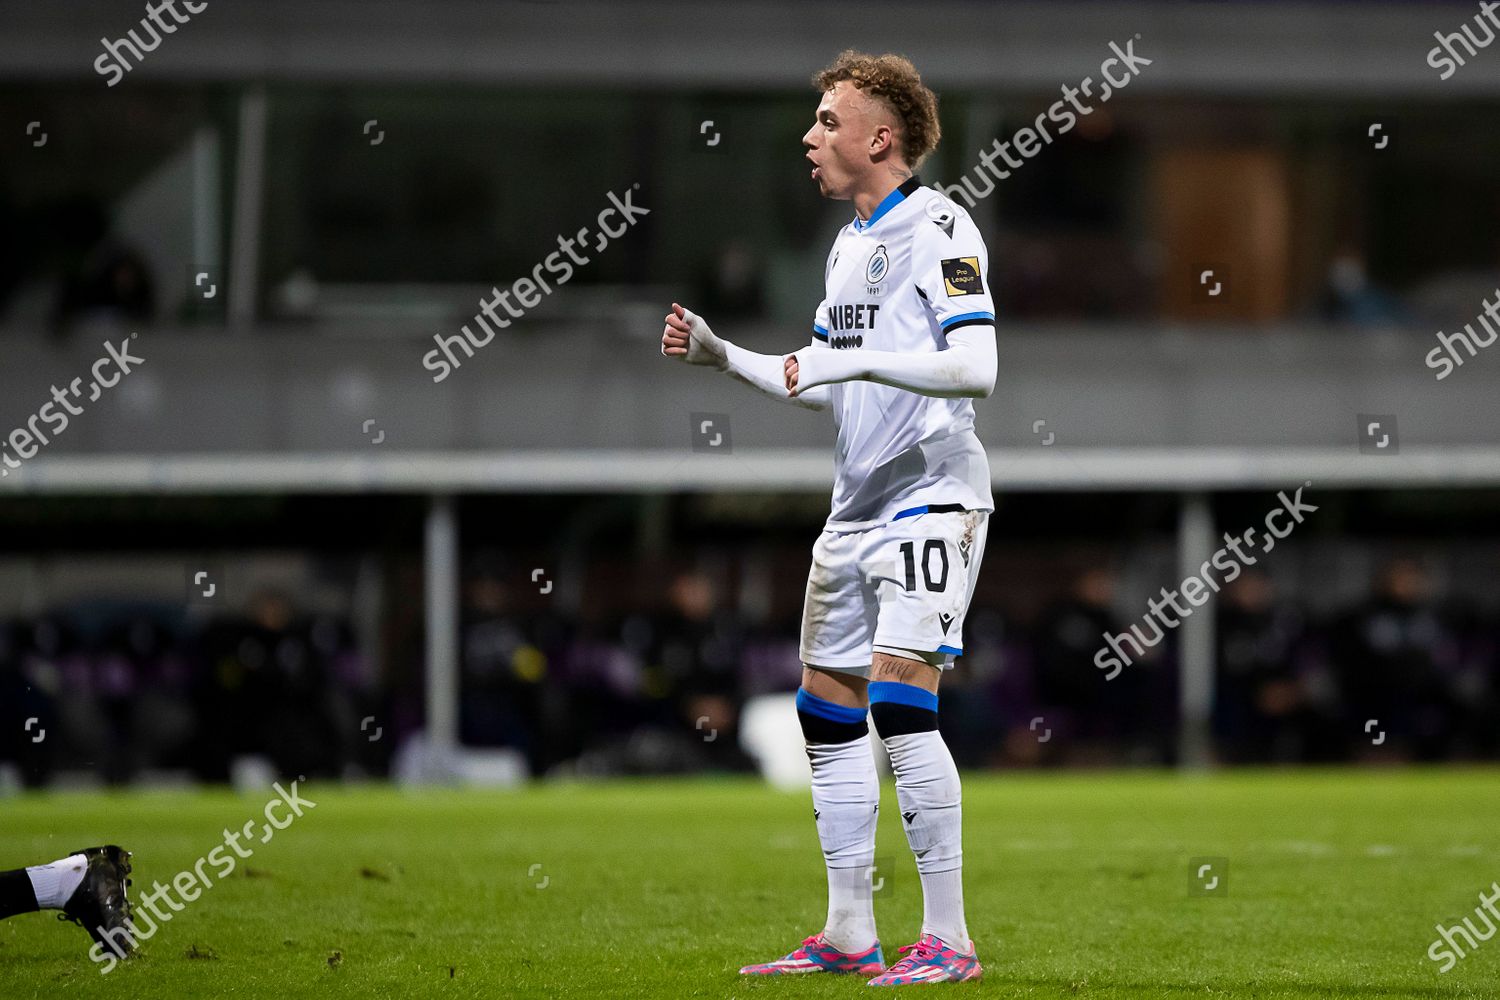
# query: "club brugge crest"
[875,270]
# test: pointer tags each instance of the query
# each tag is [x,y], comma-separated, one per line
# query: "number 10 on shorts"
[933,552]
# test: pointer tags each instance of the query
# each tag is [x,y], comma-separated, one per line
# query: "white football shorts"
[902,587]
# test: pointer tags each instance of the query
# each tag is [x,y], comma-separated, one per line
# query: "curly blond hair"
[894,80]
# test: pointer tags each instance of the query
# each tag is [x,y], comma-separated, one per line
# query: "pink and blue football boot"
[931,961]
[817,955]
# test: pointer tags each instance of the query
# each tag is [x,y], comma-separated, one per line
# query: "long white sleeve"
[766,372]
[968,367]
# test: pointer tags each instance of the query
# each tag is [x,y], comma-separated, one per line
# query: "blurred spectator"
[1349,296]
[1262,709]
[113,287]
[1394,658]
[306,724]
[28,692]
[53,661]
[1067,636]
[103,280]
[506,677]
[1473,687]
[690,672]
[139,680]
[1091,713]
[268,685]
[698,650]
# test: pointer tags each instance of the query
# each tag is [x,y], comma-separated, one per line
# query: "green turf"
[1078,886]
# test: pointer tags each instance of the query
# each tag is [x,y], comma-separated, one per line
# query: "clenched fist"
[688,337]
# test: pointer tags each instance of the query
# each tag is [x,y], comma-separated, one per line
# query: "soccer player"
[89,887]
[902,343]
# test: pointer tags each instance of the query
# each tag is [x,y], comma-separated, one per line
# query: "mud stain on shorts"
[971,524]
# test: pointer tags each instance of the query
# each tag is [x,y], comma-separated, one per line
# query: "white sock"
[846,795]
[54,883]
[851,910]
[931,799]
[943,908]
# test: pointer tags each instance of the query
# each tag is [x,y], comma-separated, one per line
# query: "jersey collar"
[889,202]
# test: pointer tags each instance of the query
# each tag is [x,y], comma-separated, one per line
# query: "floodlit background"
[279,547]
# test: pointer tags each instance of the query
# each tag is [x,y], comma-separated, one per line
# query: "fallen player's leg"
[88,887]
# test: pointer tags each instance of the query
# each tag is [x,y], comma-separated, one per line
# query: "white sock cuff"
[855,750]
[55,883]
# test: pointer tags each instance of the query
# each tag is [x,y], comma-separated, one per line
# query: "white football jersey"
[917,269]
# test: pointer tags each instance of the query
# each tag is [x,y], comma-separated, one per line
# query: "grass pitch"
[1079,885]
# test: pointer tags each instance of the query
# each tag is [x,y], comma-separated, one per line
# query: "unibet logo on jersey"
[903,281]
[856,316]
